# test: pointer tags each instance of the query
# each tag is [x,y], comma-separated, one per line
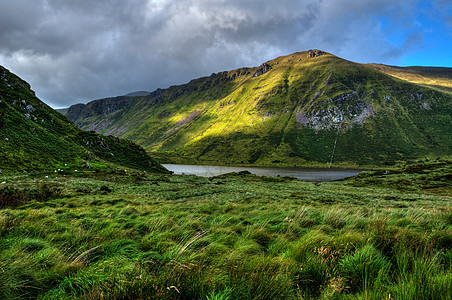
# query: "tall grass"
[247,238]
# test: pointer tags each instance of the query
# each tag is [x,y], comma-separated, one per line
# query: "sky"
[77,51]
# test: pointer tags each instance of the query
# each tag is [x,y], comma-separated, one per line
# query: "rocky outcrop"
[98,107]
[339,112]
[264,68]
[189,118]
[315,53]
[77,111]
[156,97]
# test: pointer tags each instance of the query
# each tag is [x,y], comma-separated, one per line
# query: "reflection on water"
[307,174]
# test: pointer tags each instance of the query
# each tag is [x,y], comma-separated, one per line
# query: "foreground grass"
[101,236]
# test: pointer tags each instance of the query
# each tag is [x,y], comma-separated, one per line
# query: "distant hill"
[139,93]
[33,136]
[62,111]
[305,108]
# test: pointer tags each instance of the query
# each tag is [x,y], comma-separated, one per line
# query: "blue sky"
[435,24]
[77,51]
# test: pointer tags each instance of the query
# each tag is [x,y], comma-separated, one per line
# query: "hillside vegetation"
[308,108]
[434,77]
[35,137]
[381,235]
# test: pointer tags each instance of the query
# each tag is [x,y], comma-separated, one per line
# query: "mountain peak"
[316,53]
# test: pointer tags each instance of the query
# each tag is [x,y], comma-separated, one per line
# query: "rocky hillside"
[306,108]
[33,136]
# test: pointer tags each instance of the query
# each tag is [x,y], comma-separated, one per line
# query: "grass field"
[131,235]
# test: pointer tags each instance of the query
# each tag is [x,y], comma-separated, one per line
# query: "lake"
[306,174]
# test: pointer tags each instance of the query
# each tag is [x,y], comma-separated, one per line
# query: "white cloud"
[75,51]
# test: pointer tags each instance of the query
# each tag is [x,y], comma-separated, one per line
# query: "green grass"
[437,78]
[154,236]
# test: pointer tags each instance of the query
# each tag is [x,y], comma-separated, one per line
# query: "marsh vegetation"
[123,235]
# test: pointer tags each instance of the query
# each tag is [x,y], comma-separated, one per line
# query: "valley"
[85,213]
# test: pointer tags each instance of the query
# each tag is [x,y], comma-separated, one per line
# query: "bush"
[105,189]
[11,197]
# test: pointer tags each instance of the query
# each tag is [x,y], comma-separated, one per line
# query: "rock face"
[294,109]
[156,97]
[315,53]
[264,68]
[338,112]
[98,107]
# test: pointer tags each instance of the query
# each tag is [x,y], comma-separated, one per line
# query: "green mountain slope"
[434,77]
[33,136]
[306,108]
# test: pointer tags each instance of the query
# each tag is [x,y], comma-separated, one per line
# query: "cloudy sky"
[76,51]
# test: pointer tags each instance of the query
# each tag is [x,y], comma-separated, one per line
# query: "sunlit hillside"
[308,108]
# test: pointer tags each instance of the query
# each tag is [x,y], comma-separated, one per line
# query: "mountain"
[33,136]
[301,109]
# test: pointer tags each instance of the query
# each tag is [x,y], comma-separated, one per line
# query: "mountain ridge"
[137,93]
[303,108]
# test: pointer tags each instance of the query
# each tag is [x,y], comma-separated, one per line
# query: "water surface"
[307,174]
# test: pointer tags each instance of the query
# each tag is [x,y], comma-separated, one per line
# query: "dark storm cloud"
[75,51]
